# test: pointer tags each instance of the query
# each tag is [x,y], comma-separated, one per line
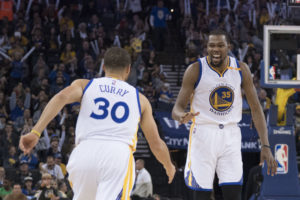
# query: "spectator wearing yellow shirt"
[264,17]
[58,159]
[68,56]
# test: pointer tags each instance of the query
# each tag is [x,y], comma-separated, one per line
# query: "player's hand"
[186,117]
[266,155]
[170,170]
[27,142]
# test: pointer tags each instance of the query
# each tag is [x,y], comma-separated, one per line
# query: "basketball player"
[214,86]
[101,167]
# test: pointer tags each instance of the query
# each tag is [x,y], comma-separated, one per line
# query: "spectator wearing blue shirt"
[158,21]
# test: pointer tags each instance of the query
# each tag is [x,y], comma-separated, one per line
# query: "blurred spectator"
[264,100]
[52,168]
[62,190]
[16,193]
[9,137]
[22,120]
[166,94]
[5,189]
[28,188]
[143,182]
[58,160]
[68,57]
[31,159]
[20,174]
[134,7]
[11,159]
[46,191]
[2,175]
[57,86]
[159,16]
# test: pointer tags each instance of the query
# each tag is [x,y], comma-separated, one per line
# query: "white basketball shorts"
[213,148]
[101,170]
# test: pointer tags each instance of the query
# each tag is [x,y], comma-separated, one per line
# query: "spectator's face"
[24,168]
[54,184]
[8,129]
[94,19]
[50,162]
[59,81]
[58,161]
[45,82]
[28,184]
[12,150]
[63,187]
[61,66]
[85,45]
[18,55]
[54,144]
[217,49]
[160,4]
[68,47]
[139,165]
[46,180]
[298,112]
[17,189]
[6,183]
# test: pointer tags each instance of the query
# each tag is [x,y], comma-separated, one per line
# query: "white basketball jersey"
[110,110]
[217,96]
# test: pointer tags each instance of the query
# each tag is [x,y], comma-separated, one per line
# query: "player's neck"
[114,75]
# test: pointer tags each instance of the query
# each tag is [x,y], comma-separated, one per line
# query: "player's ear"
[128,69]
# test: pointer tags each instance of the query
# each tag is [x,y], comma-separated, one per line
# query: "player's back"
[110,110]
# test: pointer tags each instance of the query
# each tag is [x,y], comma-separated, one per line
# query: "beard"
[217,63]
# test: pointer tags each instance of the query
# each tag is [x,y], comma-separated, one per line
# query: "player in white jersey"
[101,167]
[213,84]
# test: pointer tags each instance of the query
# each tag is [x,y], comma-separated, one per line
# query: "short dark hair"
[116,58]
[220,32]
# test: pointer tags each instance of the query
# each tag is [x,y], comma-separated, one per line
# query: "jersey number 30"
[104,108]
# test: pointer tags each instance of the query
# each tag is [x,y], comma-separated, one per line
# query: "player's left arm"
[70,94]
[258,117]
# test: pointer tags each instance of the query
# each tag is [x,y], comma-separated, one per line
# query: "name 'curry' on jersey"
[218,96]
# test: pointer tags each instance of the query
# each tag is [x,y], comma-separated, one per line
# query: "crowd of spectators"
[45,45]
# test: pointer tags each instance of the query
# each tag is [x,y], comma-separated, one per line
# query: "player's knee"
[232,192]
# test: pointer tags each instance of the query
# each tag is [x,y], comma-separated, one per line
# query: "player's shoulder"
[144,103]
[192,72]
[82,82]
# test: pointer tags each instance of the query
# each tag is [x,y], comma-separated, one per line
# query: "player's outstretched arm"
[157,145]
[258,118]
[189,79]
[70,94]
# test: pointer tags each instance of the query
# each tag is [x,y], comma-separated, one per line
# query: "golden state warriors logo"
[221,98]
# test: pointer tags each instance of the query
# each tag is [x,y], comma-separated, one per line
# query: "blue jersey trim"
[200,73]
[238,66]
[120,195]
[233,183]
[87,85]
[138,100]
[198,189]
